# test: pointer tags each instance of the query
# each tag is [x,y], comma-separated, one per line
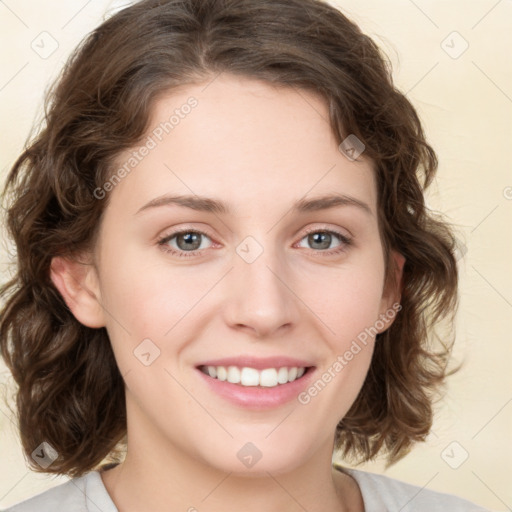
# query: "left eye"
[323,239]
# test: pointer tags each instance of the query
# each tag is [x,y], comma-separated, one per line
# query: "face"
[264,278]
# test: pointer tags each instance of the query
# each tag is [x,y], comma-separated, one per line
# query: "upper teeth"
[246,376]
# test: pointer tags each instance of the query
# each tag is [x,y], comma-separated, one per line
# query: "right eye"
[179,243]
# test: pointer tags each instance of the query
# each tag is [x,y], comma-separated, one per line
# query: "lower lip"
[257,397]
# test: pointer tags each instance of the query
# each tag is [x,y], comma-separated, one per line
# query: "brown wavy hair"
[69,390]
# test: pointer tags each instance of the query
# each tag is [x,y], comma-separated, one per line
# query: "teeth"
[282,375]
[269,378]
[222,374]
[233,375]
[249,377]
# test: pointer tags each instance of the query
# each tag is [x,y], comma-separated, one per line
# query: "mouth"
[256,384]
[252,377]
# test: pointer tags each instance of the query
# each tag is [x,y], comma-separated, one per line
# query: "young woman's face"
[241,276]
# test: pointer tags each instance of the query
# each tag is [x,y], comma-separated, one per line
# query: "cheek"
[148,296]
[349,309]
[347,300]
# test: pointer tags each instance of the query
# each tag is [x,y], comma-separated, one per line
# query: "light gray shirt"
[380,494]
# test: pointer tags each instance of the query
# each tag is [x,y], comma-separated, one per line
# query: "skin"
[259,149]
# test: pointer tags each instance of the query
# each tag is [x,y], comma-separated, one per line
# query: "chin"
[256,459]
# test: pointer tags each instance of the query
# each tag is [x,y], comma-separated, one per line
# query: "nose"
[259,296]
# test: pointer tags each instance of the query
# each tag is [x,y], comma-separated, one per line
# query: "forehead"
[242,139]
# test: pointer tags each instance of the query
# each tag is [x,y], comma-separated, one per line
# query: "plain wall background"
[464,98]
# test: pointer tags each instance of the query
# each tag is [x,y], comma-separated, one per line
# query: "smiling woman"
[258,290]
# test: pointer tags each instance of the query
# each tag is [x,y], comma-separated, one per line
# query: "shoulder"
[82,494]
[383,493]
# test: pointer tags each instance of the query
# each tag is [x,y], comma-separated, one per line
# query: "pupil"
[317,238]
[190,239]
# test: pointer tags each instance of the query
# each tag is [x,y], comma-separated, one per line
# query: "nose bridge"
[260,298]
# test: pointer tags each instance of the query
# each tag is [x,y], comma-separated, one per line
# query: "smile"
[250,377]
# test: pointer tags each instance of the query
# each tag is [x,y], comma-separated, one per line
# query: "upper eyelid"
[329,230]
[171,235]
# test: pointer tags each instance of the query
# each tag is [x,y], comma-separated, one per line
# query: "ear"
[78,284]
[390,302]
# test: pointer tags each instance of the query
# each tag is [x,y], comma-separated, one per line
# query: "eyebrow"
[208,204]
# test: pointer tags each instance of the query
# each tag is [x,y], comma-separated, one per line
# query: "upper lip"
[259,363]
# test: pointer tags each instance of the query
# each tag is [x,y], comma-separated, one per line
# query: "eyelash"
[346,242]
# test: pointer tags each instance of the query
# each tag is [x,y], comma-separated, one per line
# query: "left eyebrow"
[209,204]
[330,201]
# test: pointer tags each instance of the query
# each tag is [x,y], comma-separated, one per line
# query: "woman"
[226,269]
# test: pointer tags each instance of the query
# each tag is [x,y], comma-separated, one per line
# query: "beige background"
[465,102]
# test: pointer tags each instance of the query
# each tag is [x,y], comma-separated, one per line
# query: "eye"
[189,242]
[182,242]
[321,240]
